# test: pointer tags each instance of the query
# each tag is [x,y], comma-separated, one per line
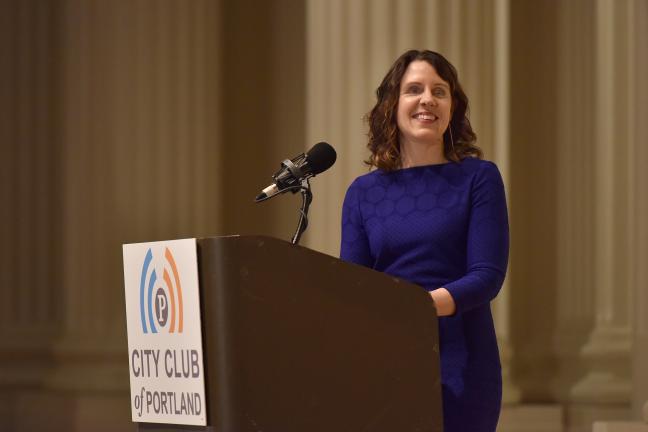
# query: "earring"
[451,139]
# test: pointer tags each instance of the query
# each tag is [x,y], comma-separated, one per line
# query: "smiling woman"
[433,213]
[424,81]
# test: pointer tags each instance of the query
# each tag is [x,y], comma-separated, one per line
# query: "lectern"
[298,341]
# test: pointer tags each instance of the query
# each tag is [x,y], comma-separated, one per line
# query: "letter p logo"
[161,307]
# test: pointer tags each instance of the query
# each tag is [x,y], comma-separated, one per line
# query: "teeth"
[423,116]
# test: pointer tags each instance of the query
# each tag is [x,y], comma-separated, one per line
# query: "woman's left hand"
[443,301]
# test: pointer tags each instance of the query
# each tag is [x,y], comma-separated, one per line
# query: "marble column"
[638,21]
[575,192]
[501,150]
[31,312]
[339,61]
[352,44]
[607,351]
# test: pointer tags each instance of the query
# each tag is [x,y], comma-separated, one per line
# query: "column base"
[583,417]
[83,364]
[608,378]
[620,427]
[37,410]
[531,418]
[511,393]
[602,387]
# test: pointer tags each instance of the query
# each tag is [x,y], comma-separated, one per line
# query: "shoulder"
[472,164]
[481,170]
[367,180]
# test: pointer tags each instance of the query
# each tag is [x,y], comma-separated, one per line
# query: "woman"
[434,213]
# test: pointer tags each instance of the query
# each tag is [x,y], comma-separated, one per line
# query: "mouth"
[425,116]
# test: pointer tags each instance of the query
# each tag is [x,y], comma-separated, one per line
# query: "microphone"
[302,167]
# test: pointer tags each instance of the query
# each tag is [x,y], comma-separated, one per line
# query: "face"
[424,105]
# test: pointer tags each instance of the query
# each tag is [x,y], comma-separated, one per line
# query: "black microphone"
[302,167]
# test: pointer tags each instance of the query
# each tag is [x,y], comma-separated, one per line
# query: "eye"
[413,89]
[440,92]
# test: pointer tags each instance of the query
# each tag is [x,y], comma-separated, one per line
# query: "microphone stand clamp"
[307,198]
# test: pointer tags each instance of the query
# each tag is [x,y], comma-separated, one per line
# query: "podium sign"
[167,377]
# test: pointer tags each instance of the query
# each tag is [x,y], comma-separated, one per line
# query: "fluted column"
[637,62]
[576,197]
[638,31]
[352,44]
[501,150]
[30,193]
[607,352]
[339,61]
[139,150]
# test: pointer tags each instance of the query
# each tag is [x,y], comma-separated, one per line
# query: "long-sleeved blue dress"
[442,225]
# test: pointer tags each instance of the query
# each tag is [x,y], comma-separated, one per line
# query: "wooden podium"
[298,341]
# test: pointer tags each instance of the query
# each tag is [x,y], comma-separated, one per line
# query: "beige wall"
[124,121]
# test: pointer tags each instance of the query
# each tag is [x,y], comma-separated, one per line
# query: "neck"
[413,154]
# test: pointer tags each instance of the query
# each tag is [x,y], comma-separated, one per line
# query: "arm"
[487,247]
[355,244]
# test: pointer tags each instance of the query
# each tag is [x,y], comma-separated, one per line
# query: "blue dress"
[442,225]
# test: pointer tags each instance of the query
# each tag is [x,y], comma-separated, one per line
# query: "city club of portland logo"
[160,297]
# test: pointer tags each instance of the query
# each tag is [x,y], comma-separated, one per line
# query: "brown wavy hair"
[458,140]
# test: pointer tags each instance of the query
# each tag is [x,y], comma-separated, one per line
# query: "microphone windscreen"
[321,157]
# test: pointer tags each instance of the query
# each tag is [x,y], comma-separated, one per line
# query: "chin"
[431,138]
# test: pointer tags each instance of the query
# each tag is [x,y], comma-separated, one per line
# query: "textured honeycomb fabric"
[442,225]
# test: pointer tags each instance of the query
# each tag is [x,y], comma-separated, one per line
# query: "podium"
[296,340]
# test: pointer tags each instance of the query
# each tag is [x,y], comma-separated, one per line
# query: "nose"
[427,99]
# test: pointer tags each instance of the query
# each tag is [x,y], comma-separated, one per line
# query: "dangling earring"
[452,140]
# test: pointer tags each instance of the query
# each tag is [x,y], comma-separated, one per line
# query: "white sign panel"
[167,378]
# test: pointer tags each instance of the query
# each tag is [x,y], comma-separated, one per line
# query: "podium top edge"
[227,236]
